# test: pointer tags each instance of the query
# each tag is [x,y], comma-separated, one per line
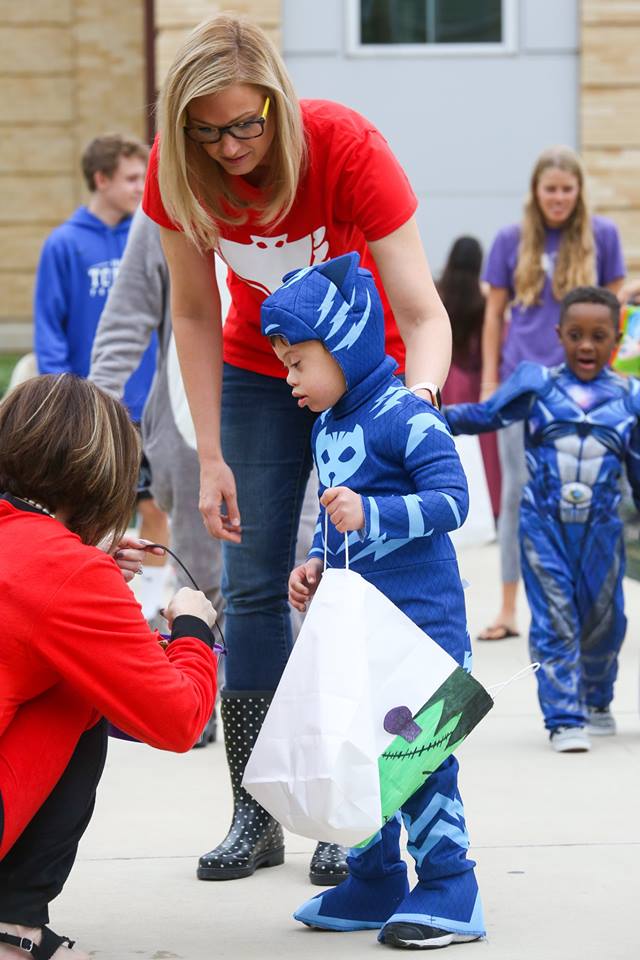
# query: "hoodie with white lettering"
[78,264]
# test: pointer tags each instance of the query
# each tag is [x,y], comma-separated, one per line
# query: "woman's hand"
[129,555]
[303,583]
[344,508]
[192,603]
[218,487]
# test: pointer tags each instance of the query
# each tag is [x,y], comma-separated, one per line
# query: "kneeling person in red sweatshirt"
[76,648]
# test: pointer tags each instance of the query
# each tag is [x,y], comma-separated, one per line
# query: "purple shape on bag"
[399,720]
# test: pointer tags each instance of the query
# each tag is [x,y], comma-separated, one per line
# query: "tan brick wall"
[175,18]
[610,114]
[69,70]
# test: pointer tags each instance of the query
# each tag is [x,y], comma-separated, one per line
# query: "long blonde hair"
[575,263]
[220,52]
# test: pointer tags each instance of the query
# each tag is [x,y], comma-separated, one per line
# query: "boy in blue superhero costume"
[390,476]
[581,424]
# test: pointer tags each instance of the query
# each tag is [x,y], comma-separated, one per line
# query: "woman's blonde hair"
[220,52]
[69,446]
[575,262]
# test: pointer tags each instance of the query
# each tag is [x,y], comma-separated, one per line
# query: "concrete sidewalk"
[557,838]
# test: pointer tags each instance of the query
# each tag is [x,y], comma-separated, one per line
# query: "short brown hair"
[68,445]
[103,154]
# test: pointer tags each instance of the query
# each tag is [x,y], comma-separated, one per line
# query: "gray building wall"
[467,128]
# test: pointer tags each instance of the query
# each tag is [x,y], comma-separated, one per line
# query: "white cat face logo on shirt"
[263,262]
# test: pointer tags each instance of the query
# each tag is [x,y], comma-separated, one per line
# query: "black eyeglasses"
[246,130]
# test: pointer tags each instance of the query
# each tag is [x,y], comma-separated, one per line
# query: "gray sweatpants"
[514,476]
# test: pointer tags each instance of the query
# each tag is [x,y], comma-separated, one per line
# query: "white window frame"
[507,47]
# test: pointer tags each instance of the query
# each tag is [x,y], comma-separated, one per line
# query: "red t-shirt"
[354,191]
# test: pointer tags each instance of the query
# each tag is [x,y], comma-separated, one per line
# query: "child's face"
[588,336]
[316,379]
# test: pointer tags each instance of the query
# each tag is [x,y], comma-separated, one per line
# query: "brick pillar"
[610,115]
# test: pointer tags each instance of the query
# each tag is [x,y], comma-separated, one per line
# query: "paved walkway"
[557,838]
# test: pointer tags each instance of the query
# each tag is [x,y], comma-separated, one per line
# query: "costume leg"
[376,885]
[36,867]
[549,579]
[446,896]
[601,563]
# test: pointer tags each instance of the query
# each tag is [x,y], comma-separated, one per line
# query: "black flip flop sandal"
[39,951]
[505,633]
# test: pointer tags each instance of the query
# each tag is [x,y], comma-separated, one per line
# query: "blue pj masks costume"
[577,436]
[396,451]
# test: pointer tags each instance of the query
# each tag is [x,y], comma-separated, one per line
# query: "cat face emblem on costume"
[339,455]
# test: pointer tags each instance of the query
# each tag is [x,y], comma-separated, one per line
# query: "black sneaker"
[418,936]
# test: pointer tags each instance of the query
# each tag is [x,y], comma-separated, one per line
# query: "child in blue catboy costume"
[581,425]
[389,473]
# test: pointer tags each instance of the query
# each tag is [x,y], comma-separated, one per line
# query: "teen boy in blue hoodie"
[389,475]
[79,262]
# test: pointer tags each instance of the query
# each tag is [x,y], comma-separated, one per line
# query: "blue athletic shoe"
[355,904]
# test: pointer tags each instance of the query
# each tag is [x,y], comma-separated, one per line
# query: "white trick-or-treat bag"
[367,708]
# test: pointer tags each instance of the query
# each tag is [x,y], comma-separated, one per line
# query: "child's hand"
[344,508]
[303,583]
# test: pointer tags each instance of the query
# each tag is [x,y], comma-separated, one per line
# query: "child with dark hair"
[461,293]
[581,426]
[390,477]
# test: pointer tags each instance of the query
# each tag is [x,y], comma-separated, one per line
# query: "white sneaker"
[570,740]
[601,722]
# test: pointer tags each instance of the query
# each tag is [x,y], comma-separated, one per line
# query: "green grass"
[7,363]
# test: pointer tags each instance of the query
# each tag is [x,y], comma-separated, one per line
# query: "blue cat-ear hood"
[337,303]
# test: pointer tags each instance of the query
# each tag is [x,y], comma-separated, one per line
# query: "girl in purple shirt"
[531,266]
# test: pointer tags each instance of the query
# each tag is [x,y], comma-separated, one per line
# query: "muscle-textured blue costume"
[395,450]
[577,436]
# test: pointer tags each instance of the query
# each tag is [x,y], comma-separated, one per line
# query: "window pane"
[468,21]
[393,21]
[430,21]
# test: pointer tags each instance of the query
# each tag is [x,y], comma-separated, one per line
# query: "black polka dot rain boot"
[328,865]
[255,839]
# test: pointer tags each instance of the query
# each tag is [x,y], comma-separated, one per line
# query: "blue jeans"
[266,440]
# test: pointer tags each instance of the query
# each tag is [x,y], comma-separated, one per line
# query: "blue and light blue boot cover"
[444,907]
[376,885]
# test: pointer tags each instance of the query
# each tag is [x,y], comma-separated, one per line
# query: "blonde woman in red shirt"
[76,648]
[271,184]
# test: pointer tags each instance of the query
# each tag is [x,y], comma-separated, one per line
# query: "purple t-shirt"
[532,330]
